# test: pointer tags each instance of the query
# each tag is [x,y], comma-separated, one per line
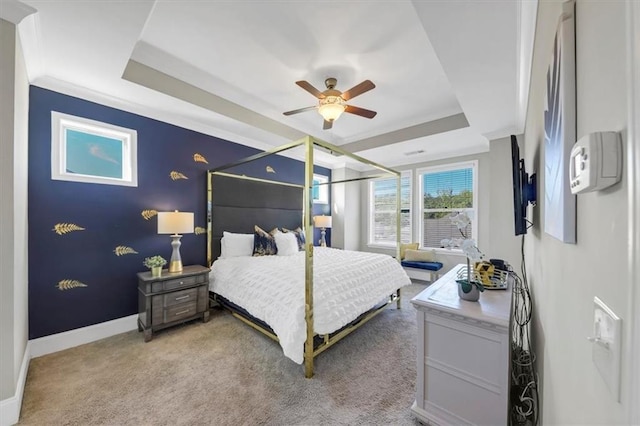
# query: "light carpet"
[225,373]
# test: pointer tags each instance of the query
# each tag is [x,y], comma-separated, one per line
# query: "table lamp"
[323,222]
[175,223]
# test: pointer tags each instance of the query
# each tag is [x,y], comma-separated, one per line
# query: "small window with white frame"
[320,189]
[446,190]
[84,150]
[383,210]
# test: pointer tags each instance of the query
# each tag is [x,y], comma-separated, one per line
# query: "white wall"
[14,90]
[495,210]
[20,229]
[345,233]
[564,277]
[7,52]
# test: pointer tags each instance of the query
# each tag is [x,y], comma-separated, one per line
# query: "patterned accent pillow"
[263,242]
[299,236]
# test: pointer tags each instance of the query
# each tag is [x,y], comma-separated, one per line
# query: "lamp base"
[175,264]
[323,241]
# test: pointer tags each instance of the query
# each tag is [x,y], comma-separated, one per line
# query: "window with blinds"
[382,201]
[446,191]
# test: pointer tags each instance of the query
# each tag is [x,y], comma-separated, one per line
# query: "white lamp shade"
[322,221]
[175,222]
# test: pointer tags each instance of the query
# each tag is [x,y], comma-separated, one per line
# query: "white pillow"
[236,245]
[287,243]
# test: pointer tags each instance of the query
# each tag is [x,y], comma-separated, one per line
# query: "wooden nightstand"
[172,298]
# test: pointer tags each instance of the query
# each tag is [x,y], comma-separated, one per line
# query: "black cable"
[524,380]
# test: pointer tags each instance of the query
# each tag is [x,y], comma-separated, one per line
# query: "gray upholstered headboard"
[238,204]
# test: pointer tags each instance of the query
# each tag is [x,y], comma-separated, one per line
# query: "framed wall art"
[84,150]
[560,131]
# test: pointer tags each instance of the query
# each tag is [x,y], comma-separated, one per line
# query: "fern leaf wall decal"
[177,175]
[270,169]
[69,284]
[199,230]
[122,250]
[199,158]
[148,214]
[65,228]
[115,215]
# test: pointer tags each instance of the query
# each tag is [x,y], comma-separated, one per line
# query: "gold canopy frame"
[309,143]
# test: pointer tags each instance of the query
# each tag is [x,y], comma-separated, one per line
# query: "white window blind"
[382,200]
[445,191]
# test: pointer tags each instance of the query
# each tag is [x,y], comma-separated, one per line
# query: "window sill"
[450,252]
[382,246]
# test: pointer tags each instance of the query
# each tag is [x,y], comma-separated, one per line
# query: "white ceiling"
[449,75]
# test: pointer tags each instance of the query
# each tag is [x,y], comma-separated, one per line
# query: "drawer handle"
[182,297]
[181,282]
[181,312]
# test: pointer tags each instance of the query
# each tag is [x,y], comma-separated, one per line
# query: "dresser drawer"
[178,297]
[177,283]
[162,315]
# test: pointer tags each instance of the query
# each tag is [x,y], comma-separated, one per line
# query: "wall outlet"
[606,344]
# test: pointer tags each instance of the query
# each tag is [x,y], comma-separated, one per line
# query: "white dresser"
[463,353]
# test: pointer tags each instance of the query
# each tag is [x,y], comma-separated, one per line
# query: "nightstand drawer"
[175,283]
[177,297]
[174,313]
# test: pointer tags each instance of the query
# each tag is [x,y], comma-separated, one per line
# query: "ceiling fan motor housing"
[330,83]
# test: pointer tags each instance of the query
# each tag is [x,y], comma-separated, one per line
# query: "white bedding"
[271,288]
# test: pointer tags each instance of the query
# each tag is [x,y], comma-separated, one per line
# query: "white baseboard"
[80,336]
[10,407]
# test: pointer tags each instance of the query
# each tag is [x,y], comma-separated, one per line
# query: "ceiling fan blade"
[296,111]
[359,89]
[367,113]
[327,125]
[309,88]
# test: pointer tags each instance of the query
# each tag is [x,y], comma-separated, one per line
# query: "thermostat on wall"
[595,162]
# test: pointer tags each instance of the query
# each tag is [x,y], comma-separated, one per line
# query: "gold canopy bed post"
[310,352]
[398,228]
[307,211]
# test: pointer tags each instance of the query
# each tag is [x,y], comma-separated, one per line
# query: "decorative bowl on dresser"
[172,298]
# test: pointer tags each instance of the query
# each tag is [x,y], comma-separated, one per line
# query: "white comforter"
[271,288]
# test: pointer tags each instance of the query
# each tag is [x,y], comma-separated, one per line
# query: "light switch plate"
[606,344]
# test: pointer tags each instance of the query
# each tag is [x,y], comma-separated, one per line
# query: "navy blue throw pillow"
[263,243]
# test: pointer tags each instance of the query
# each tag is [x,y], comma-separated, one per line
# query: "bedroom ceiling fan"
[332,103]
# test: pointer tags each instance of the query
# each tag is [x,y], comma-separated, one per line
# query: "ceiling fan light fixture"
[331,107]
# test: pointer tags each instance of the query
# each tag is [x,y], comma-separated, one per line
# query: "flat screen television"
[524,189]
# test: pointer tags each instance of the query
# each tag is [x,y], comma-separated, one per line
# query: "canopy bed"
[265,291]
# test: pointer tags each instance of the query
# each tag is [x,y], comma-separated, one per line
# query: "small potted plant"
[155,263]
[469,288]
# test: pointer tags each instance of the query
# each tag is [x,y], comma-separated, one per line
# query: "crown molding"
[15,11]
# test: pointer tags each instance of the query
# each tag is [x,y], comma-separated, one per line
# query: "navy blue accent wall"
[111,215]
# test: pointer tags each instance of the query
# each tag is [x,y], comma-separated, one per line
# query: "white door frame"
[633,177]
